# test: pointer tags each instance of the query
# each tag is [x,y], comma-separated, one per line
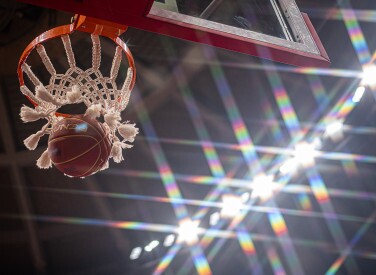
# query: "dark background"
[186,103]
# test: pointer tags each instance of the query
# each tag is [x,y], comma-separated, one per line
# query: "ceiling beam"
[21,192]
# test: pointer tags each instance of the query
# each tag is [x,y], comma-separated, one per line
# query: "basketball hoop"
[100,94]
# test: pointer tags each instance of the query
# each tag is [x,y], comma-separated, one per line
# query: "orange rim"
[84,24]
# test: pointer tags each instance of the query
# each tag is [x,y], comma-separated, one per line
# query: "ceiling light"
[188,231]
[151,246]
[135,253]
[231,206]
[169,240]
[214,218]
[263,187]
[245,197]
[369,75]
[305,153]
[317,143]
[358,94]
[289,166]
[335,130]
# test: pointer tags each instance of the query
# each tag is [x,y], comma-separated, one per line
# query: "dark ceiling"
[195,105]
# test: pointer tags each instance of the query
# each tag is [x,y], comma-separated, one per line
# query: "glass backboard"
[261,16]
[271,29]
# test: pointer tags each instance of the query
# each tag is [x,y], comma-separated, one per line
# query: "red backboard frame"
[136,14]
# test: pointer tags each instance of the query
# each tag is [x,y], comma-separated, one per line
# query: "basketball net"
[100,94]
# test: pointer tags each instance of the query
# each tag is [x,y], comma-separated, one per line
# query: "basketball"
[78,146]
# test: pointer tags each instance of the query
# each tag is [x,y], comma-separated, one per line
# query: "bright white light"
[358,94]
[245,197]
[263,187]
[151,246]
[305,153]
[214,218]
[335,130]
[289,166]
[188,231]
[317,143]
[169,240]
[135,253]
[231,206]
[334,127]
[369,75]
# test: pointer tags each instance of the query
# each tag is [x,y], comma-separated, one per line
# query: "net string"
[68,49]
[45,59]
[99,93]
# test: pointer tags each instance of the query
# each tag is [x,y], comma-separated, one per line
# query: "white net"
[99,93]
[94,87]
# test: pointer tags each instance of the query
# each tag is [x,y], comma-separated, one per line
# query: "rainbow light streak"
[319,93]
[321,193]
[305,202]
[260,149]
[335,266]
[344,156]
[246,243]
[343,73]
[294,189]
[200,261]
[209,150]
[280,229]
[225,234]
[249,250]
[163,167]
[238,125]
[129,225]
[318,187]
[356,35]
[346,108]
[350,167]
[208,147]
[284,103]
[269,114]
[336,14]
[275,262]
[288,247]
[214,194]
[338,111]
[201,264]
[166,260]
[278,224]
[346,252]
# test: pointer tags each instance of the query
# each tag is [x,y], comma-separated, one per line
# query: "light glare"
[188,231]
[263,187]
[289,166]
[151,246]
[245,197]
[305,153]
[369,75]
[135,253]
[231,206]
[169,240]
[214,218]
[335,130]
[317,143]
[358,94]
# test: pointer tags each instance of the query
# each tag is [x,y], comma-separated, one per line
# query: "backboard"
[271,29]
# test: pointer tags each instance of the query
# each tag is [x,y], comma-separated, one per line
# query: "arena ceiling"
[211,122]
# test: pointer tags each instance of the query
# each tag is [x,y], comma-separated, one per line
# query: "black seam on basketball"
[63,137]
[80,155]
[88,174]
[106,134]
[87,122]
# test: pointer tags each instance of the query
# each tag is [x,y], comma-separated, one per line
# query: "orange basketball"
[79,146]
